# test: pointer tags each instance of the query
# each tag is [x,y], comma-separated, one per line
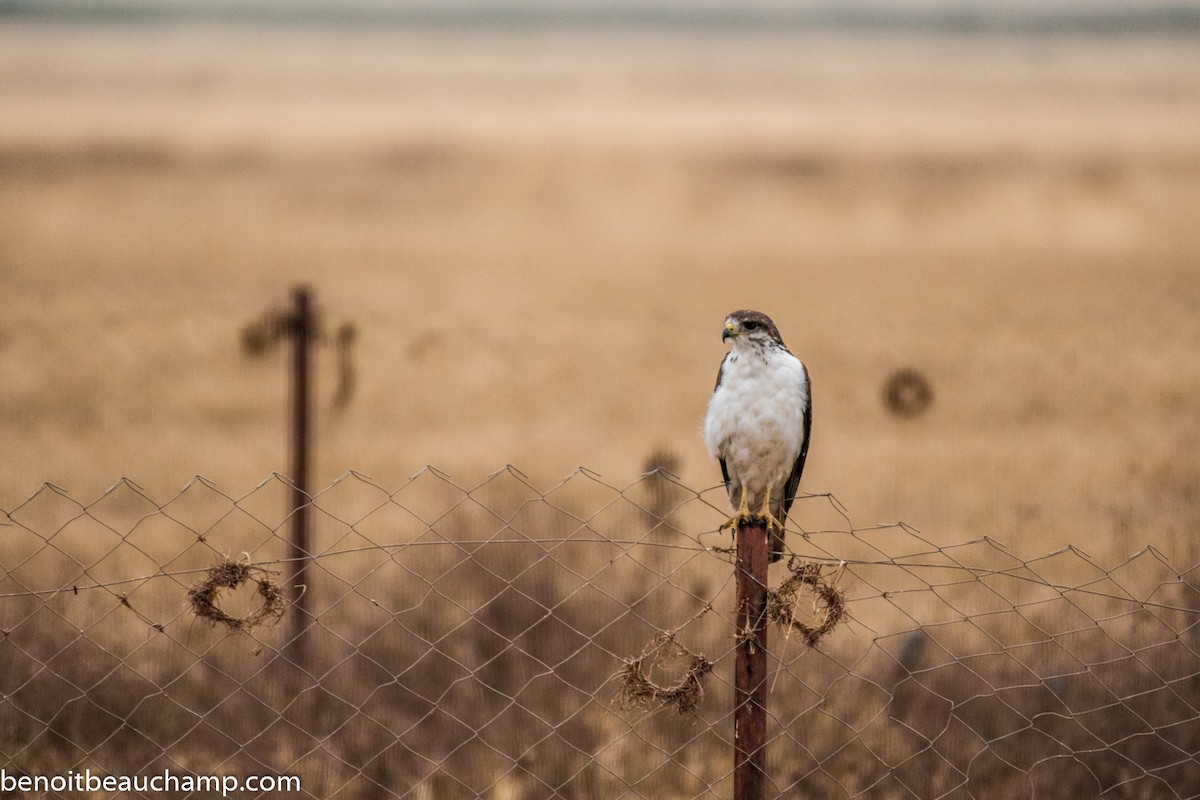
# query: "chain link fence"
[506,641]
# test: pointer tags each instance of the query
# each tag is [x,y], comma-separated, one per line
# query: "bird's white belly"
[756,422]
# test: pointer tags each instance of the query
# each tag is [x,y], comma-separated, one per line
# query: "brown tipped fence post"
[750,667]
[303,334]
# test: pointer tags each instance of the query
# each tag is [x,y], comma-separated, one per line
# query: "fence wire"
[506,641]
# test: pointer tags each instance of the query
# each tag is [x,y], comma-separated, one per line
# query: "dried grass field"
[537,234]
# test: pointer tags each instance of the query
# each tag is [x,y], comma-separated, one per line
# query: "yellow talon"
[743,515]
[766,514]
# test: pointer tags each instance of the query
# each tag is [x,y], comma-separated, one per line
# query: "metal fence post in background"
[750,667]
[302,330]
[300,325]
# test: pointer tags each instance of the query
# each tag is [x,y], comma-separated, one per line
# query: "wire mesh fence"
[505,641]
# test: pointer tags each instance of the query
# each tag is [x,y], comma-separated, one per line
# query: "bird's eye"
[751,325]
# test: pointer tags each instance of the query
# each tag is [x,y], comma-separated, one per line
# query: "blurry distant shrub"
[907,393]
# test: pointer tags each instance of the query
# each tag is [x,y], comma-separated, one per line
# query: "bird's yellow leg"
[743,514]
[765,512]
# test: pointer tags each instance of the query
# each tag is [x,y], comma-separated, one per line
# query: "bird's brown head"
[754,326]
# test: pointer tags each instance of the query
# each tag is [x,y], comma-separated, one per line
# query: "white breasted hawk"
[759,421]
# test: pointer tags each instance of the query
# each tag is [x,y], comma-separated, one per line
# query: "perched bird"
[758,423]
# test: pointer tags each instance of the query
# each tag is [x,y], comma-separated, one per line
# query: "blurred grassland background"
[537,230]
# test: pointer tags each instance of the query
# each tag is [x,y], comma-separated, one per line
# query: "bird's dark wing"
[793,482]
[717,385]
[720,372]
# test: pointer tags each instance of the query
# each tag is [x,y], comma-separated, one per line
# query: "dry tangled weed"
[829,602]
[663,651]
[230,574]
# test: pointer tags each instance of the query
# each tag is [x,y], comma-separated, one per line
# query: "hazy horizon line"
[1169,18]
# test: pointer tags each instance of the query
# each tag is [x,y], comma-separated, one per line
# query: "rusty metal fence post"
[750,667]
[302,330]
[300,325]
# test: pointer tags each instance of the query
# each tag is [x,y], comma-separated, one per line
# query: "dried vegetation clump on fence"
[228,574]
[828,607]
[664,655]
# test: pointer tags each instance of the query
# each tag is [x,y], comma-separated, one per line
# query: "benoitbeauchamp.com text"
[167,781]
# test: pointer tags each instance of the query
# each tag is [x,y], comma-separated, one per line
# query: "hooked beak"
[729,331]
